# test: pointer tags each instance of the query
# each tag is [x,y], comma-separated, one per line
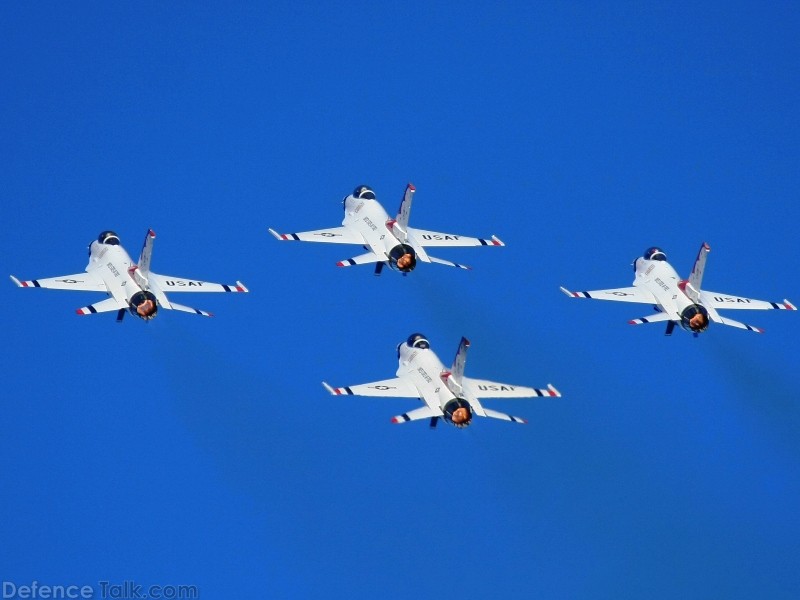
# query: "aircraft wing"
[628,294]
[421,237]
[331,235]
[726,301]
[84,282]
[171,284]
[395,388]
[482,388]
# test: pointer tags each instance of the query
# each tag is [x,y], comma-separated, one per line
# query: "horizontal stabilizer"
[106,305]
[362,259]
[731,323]
[494,414]
[424,412]
[448,263]
[161,297]
[188,309]
[656,318]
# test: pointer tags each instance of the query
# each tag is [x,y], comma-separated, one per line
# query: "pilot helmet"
[655,253]
[108,237]
[364,192]
[418,340]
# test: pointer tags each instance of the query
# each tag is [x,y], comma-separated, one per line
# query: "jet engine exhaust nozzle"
[694,318]
[143,305]
[403,258]
[458,412]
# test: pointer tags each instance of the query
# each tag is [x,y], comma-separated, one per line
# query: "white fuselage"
[369,218]
[424,370]
[112,265]
[659,278]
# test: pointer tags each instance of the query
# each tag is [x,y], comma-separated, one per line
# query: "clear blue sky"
[206,452]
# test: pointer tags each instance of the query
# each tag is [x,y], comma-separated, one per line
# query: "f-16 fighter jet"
[132,286]
[679,300]
[447,393]
[388,241]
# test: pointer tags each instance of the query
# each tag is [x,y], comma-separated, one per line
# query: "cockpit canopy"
[403,258]
[108,237]
[418,340]
[655,253]
[365,192]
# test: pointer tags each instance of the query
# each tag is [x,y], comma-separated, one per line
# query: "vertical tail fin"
[696,277]
[454,378]
[457,370]
[401,220]
[147,252]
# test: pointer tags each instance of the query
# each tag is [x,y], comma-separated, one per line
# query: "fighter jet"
[679,300]
[447,393]
[133,287]
[388,241]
